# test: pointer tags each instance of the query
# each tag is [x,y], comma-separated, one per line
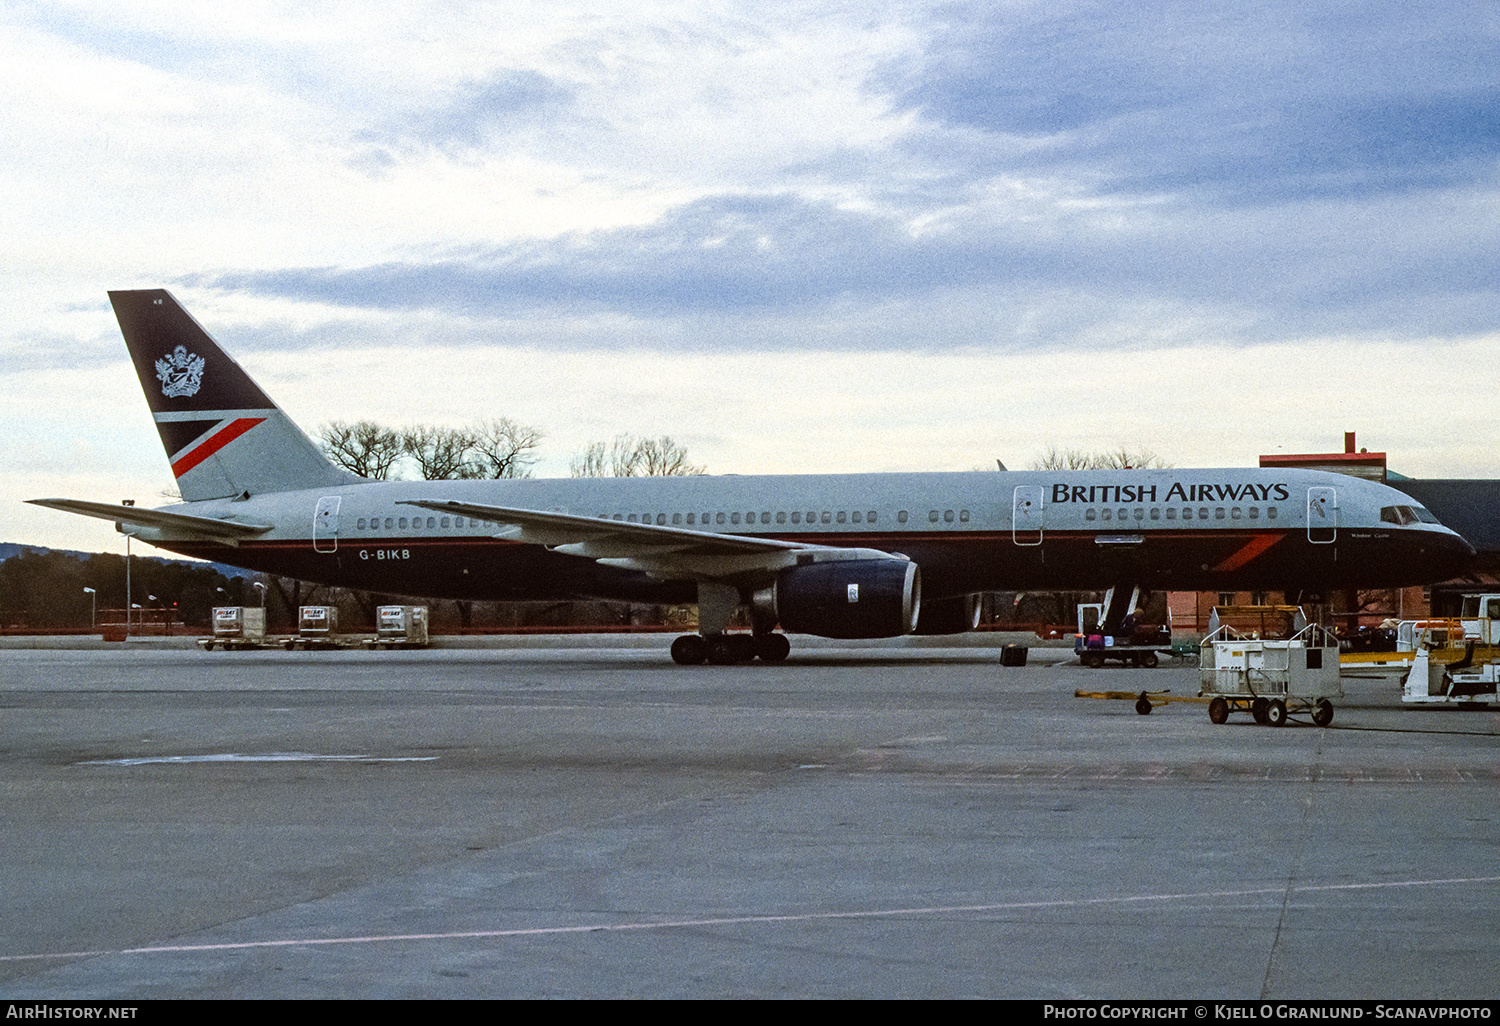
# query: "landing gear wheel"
[772,648]
[1258,710]
[1143,705]
[1218,711]
[1276,713]
[721,650]
[1148,660]
[689,650]
[1323,712]
[743,647]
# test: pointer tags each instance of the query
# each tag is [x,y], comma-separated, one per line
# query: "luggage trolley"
[1268,678]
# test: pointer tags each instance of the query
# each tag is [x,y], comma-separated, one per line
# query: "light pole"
[93,607]
[128,604]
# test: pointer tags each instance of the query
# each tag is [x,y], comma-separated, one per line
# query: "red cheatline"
[213,443]
[1252,548]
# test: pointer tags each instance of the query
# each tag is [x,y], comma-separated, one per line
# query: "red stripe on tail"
[213,443]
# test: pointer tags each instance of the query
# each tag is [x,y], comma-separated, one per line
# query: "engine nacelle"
[855,598]
[949,615]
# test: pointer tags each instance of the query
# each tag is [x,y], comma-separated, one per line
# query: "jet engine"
[855,598]
[949,616]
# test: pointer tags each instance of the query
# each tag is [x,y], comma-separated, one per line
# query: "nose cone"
[1449,555]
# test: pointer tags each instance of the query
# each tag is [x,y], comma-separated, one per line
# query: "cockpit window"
[1404,515]
[1424,515]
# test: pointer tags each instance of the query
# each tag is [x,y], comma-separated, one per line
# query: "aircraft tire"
[721,650]
[772,648]
[743,647]
[1276,713]
[1218,711]
[1323,712]
[689,650]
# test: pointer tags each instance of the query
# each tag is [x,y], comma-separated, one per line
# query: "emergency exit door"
[326,524]
[1026,515]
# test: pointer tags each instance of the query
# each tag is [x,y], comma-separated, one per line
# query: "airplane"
[834,555]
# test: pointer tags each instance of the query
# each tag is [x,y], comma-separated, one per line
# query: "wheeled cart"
[1270,679]
[399,627]
[236,627]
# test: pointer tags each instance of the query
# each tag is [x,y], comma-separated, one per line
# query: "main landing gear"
[725,649]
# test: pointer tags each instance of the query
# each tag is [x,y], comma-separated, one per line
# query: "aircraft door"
[1026,515]
[1322,515]
[326,524]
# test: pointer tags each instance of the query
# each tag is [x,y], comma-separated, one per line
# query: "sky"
[796,237]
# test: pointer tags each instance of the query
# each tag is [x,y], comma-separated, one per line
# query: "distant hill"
[9,549]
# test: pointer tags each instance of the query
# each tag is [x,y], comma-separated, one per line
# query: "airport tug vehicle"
[1271,678]
[1431,681]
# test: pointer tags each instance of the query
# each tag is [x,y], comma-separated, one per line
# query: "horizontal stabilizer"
[173,524]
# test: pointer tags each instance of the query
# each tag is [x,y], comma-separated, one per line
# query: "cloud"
[476,114]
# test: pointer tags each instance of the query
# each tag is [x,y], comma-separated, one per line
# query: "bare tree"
[1111,459]
[441,454]
[592,462]
[365,447]
[503,448]
[629,456]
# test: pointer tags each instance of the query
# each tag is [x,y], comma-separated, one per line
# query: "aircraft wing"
[154,520]
[654,549]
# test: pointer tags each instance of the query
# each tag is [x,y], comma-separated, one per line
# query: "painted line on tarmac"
[747,920]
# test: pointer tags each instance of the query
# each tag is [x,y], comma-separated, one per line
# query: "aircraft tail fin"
[224,437]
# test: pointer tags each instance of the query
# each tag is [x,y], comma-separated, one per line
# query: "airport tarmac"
[570,821]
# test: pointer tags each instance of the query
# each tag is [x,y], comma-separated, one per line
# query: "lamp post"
[128,604]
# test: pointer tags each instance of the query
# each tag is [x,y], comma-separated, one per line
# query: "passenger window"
[676,518]
[1140,513]
[390,522]
[796,518]
[734,518]
[963,516]
[719,518]
[1203,515]
[855,517]
[1254,512]
[948,516]
[901,517]
[661,520]
[1107,514]
[781,518]
[1270,512]
[1090,515]
[1219,513]
[692,518]
[842,516]
[1156,514]
[401,523]
[870,517]
[765,518]
[827,517]
[932,516]
[361,525]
